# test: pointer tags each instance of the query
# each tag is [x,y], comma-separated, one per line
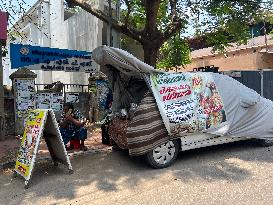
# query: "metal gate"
[261,81]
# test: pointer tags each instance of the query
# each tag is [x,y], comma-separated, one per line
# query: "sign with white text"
[51,59]
[188,102]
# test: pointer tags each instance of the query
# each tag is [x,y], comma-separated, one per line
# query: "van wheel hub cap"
[164,153]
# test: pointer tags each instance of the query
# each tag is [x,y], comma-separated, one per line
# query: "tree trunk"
[150,54]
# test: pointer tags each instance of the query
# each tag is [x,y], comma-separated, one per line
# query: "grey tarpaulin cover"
[248,114]
[208,102]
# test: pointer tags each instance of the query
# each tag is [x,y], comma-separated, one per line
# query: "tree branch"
[173,28]
[117,25]
[173,4]
[151,10]
[128,12]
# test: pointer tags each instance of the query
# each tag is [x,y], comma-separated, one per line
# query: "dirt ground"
[10,146]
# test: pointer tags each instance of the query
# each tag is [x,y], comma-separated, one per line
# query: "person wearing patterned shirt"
[71,126]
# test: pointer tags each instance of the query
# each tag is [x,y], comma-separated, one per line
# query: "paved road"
[238,173]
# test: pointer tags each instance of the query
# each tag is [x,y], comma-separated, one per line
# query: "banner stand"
[40,123]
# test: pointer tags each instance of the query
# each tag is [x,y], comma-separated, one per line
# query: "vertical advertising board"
[30,142]
[40,123]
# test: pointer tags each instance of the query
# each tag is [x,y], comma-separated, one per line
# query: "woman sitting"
[71,128]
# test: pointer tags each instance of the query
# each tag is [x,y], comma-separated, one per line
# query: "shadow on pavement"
[221,162]
[109,172]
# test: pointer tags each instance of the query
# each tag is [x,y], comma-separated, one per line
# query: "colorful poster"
[188,102]
[30,142]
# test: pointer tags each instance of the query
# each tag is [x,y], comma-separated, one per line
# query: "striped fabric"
[146,131]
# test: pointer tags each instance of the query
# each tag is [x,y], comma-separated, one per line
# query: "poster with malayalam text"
[52,101]
[57,101]
[30,141]
[51,59]
[43,100]
[188,102]
[72,98]
[25,96]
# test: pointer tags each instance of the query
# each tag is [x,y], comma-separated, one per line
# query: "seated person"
[71,126]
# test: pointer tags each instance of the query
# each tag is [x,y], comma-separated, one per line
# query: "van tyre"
[163,155]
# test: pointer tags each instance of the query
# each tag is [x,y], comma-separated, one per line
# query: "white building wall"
[41,29]
[81,32]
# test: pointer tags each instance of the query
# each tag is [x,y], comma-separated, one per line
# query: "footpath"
[10,147]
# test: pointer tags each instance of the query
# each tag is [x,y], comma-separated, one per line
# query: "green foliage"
[174,52]
[137,16]
[4,51]
[221,22]
[228,21]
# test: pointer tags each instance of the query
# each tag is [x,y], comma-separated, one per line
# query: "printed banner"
[51,59]
[25,96]
[43,100]
[188,102]
[52,101]
[72,98]
[57,101]
[30,142]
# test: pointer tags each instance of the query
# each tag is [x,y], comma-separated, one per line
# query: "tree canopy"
[154,22]
[157,24]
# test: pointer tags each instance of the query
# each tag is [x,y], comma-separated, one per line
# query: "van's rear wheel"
[164,155]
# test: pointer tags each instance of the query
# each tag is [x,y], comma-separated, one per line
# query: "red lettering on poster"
[175,95]
[173,89]
[196,81]
[22,169]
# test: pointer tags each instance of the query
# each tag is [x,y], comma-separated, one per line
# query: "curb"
[11,164]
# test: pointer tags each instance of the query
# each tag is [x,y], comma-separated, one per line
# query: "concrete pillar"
[22,75]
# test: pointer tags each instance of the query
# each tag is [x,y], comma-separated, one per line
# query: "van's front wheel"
[163,155]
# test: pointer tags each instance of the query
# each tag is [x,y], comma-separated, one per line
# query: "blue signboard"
[51,59]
